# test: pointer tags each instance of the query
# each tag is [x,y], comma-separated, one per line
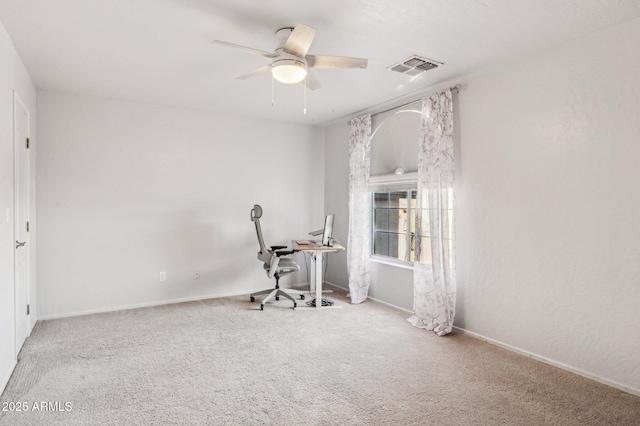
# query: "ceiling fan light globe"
[289,72]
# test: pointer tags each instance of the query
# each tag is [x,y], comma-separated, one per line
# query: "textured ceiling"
[160,51]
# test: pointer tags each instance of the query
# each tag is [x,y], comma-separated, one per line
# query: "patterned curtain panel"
[359,208]
[434,276]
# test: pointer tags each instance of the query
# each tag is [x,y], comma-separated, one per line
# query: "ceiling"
[160,51]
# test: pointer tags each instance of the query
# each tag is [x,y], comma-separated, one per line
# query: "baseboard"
[7,376]
[382,302]
[302,286]
[142,305]
[528,354]
[536,357]
[551,362]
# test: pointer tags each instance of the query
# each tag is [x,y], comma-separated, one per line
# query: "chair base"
[277,292]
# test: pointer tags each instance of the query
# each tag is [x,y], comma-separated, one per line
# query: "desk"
[317,251]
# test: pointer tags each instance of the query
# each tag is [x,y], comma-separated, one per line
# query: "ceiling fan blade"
[246,49]
[253,73]
[311,82]
[300,40]
[322,61]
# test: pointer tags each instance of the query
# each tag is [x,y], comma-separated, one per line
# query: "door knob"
[19,244]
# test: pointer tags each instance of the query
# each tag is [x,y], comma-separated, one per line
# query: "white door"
[21,218]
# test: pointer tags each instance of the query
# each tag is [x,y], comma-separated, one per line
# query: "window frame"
[388,183]
[405,195]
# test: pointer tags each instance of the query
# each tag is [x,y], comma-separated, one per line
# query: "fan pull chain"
[273,102]
[305,95]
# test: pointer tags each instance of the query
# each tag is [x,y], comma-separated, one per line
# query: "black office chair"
[274,264]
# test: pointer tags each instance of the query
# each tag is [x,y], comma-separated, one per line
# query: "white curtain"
[434,277]
[359,209]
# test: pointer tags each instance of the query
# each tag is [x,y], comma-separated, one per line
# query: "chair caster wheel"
[277,297]
[302,297]
[294,305]
[262,307]
[253,299]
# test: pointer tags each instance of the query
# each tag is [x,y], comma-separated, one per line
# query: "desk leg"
[312,277]
[319,279]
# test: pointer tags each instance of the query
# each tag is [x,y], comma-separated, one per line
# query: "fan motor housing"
[285,58]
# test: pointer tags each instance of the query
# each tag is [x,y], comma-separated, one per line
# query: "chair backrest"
[256,213]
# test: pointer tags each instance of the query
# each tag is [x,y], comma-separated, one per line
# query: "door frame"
[18,103]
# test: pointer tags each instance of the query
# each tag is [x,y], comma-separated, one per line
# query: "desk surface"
[314,246]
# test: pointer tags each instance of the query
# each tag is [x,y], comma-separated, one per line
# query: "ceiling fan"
[290,63]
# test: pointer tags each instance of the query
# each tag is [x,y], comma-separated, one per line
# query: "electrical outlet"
[163,276]
[196,276]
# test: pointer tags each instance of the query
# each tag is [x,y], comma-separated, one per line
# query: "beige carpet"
[225,362]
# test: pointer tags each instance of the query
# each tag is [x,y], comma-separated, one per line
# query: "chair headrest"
[256,213]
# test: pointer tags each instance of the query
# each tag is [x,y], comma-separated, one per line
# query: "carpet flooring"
[226,362]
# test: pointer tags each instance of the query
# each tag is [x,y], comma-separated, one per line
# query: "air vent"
[415,65]
[401,68]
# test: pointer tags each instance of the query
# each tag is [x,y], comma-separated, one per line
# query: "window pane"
[393,224]
[381,199]
[400,208]
[398,199]
[406,247]
[394,244]
[381,243]
[397,220]
[381,219]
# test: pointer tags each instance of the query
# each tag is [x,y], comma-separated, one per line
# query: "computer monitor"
[327,233]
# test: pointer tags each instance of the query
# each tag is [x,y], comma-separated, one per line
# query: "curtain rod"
[455,88]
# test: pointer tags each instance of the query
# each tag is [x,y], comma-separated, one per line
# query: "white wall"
[126,190]
[549,236]
[336,197]
[13,77]
[548,198]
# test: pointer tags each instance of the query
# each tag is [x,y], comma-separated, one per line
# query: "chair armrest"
[283,253]
[277,247]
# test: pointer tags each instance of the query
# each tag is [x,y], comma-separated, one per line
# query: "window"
[393,230]
[394,224]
